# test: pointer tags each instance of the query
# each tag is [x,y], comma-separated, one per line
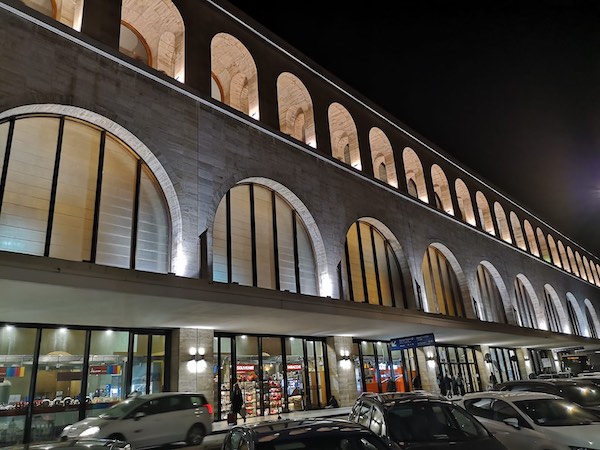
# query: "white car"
[150,420]
[534,420]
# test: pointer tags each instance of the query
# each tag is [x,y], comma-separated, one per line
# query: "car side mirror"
[138,415]
[512,421]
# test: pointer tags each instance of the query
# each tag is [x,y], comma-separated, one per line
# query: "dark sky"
[511,89]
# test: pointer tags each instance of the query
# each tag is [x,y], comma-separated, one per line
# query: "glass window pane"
[4,127]
[116,206]
[152,246]
[369,259]
[58,382]
[220,243]
[285,245]
[247,373]
[139,365]
[25,206]
[17,347]
[225,371]
[241,239]
[265,250]
[157,370]
[355,269]
[106,376]
[272,375]
[306,260]
[384,270]
[295,373]
[76,193]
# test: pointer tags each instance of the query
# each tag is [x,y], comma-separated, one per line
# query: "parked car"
[150,420]
[584,392]
[421,420]
[534,420]
[88,443]
[313,434]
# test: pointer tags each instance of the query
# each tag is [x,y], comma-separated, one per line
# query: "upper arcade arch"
[234,75]
[344,136]
[517,231]
[415,177]
[441,190]
[159,29]
[485,215]
[464,201]
[502,222]
[296,113]
[66,12]
[533,247]
[382,154]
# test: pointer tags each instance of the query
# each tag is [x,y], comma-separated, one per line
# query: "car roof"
[512,396]
[164,394]
[293,427]
[390,399]
[547,382]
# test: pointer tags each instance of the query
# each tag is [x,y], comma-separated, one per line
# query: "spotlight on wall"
[197,363]
[430,360]
[345,362]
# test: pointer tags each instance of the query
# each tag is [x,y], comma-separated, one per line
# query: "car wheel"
[195,435]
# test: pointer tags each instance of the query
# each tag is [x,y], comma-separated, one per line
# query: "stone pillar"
[342,380]
[523,362]
[190,380]
[427,368]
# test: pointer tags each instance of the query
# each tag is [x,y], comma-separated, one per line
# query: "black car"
[422,420]
[584,392]
[309,434]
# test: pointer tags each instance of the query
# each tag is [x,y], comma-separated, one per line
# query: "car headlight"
[90,431]
[67,428]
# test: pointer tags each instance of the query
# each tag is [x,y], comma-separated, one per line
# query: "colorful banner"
[112,369]
[15,372]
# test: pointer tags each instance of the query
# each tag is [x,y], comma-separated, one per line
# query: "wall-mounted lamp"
[197,362]
[430,360]
[345,362]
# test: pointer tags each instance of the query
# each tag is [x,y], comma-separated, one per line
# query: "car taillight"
[208,407]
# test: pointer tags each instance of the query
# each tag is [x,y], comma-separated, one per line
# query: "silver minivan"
[150,420]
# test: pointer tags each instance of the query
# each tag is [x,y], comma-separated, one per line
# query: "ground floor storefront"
[51,376]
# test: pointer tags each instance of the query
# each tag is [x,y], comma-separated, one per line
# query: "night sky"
[510,89]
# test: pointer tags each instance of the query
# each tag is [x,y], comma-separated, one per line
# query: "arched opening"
[517,231]
[485,215]
[296,115]
[415,178]
[465,205]
[344,137]
[502,222]
[492,297]
[533,247]
[441,189]
[382,155]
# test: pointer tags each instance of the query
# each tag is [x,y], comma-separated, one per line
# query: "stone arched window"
[371,271]
[592,319]
[574,312]
[582,273]
[55,205]
[525,313]
[465,205]
[489,292]
[69,13]
[485,215]
[517,231]
[259,239]
[344,136]
[296,114]
[502,222]
[554,251]
[234,75]
[572,261]
[152,31]
[543,246]
[588,270]
[382,155]
[563,257]
[553,319]
[415,178]
[442,286]
[441,189]
[533,247]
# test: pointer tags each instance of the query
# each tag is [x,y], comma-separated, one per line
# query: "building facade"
[187,202]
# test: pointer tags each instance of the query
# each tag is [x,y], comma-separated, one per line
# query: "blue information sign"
[422,340]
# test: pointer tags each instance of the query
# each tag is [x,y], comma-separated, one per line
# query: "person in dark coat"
[237,401]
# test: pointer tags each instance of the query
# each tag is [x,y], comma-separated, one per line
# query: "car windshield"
[326,441]
[584,394]
[551,412]
[122,408]
[432,422]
